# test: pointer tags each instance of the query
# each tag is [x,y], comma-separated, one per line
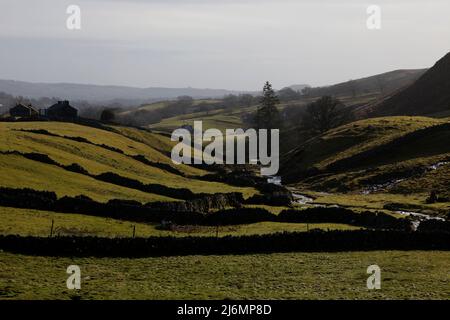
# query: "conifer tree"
[268,116]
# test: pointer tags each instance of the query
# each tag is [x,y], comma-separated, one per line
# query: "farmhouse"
[62,110]
[24,111]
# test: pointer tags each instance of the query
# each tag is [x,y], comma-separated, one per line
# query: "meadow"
[404,275]
[27,222]
[100,151]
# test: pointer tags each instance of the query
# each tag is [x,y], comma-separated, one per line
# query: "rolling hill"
[354,94]
[71,160]
[100,93]
[383,84]
[375,160]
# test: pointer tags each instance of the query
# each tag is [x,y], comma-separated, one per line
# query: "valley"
[371,187]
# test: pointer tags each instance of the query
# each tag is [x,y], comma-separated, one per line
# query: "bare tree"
[324,114]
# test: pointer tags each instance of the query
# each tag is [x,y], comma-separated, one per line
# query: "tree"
[324,114]
[306,91]
[107,115]
[288,94]
[246,99]
[267,116]
[230,101]
[180,106]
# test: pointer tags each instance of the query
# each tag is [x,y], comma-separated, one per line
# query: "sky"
[229,44]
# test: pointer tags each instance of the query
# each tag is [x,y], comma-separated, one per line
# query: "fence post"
[51,229]
[134,230]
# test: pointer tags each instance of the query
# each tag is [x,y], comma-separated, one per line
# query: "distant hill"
[298,87]
[383,84]
[369,89]
[98,93]
[429,95]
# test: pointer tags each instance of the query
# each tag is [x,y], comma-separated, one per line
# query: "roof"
[29,107]
[62,105]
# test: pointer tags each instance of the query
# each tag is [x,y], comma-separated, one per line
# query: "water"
[438,165]
[418,217]
[377,187]
[275,180]
[301,199]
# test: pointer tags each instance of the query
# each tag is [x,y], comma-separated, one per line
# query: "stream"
[377,187]
[416,217]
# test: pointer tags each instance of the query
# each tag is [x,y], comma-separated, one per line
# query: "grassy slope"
[404,275]
[356,138]
[27,222]
[147,107]
[20,172]
[220,119]
[353,138]
[368,90]
[430,94]
[161,105]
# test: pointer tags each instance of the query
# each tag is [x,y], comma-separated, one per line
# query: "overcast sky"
[231,44]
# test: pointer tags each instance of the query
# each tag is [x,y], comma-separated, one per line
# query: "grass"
[27,222]
[410,162]
[26,173]
[163,104]
[219,119]
[356,137]
[18,172]
[232,118]
[376,202]
[404,275]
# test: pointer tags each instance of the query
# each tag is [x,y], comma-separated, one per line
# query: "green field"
[356,137]
[378,201]
[18,172]
[26,222]
[404,275]
[219,118]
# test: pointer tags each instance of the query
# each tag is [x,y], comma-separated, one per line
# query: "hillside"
[382,84]
[354,94]
[429,95]
[399,158]
[71,160]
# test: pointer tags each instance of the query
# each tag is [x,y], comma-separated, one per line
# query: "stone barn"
[23,111]
[62,110]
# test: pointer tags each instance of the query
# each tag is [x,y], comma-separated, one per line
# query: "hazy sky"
[232,44]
